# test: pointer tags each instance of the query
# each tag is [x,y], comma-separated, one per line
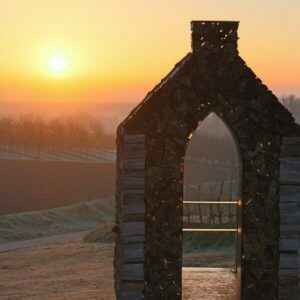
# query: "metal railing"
[236,230]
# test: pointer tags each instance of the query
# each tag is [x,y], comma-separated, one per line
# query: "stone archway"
[152,142]
[166,143]
[212,213]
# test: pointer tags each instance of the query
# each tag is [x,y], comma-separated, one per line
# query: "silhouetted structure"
[151,146]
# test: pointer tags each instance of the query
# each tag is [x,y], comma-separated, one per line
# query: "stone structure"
[151,146]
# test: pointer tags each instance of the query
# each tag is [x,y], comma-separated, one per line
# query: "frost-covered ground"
[67,219]
[64,267]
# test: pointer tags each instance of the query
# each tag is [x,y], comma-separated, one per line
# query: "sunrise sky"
[94,50]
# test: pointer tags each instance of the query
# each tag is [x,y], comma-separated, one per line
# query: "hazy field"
[28,185]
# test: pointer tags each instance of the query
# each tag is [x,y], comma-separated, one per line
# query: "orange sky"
[117,50]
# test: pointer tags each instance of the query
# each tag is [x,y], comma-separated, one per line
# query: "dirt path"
[64,268]
[57,271]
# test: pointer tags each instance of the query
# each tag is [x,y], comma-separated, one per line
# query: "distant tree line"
[82,131]
[292,103]
[29,132]
[222,147]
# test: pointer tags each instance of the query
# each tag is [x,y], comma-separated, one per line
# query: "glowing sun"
[58,65]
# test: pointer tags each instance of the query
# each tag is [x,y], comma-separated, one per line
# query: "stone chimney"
[214,36]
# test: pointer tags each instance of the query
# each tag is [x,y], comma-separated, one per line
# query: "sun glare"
[58,65]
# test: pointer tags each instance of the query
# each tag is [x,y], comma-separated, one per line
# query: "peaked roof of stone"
[203,71]
[171,75]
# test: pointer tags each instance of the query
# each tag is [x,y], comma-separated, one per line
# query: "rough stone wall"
[166,141]
[211,79]
[289,267]
[130,225]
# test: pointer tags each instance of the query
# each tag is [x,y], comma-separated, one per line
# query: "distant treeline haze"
[28,132]
[82,131]
[292,103]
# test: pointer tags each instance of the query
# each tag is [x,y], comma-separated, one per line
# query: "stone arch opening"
[211,212]
[151,147]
